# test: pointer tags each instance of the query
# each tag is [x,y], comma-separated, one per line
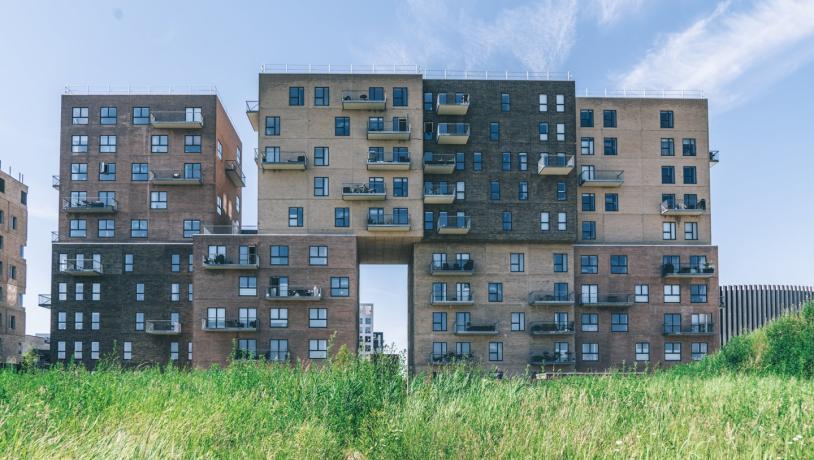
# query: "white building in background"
[365,329]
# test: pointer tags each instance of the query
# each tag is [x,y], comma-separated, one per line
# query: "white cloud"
[730,54]
[609,11]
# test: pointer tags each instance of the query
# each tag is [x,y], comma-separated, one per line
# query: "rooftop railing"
[645,93]
[131,89]
[229,230]
[409,69]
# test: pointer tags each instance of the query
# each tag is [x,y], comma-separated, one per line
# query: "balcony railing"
[85,267]
[687,271]
[253,113]
[221,262]
[388,222]
[451,299]
[294,293]
[542,298]
[235,173]
[92,205]
[551,328]
[601,178]
[439,163]
[162,327]
[228,325]
[475,328]
[176,119]
[451,358]
[44,300]
[462,268]
[452,133]
[389,161]
[607,301]
[441,193]
[452,104]
[714,156]
[555,165]
[548,358]
[55,182]
[362,191]
[281,160]
[174,177]
[673,208]
[454,225]
[230,230]
[695,329]
[362,100]
[398,130]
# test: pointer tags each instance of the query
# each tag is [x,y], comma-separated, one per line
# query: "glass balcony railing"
[551,327]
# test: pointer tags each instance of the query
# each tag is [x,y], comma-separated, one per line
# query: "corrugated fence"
[745,308]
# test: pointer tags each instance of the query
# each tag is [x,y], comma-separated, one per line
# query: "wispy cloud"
[730,53]
[609,11]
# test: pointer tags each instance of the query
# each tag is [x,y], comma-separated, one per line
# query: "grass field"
[741,403]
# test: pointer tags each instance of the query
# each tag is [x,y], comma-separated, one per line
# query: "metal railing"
[654,93]
[171,174]
[214,324]
[351,95]
[451,358]
[162,325]
[687,269]
[556,161]
[552,357]
[451,298]
[453,129]
[438,189]
[455,222]
[602,176]
[220,259]
[542,296]
[252,106]
[466,266]
[175,116]
[714,155]
[388,157]
[89,203]
[607,299]
[410,69]
[130,89]
[475,327]
[453,99]
[388,219]
[280,158]
[81,266]
[677,329]
[44,300]
[233,166]
[229,230]
[363,189]
[551,327]
[666,206]
[276,292]
[55,182]
[439,159]
[399,126]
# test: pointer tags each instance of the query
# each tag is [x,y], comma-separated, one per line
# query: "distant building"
[13,237]
[378,342]
[366,334]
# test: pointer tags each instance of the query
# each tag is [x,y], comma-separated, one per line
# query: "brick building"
[13,239]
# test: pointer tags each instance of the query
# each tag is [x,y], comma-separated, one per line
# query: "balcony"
[173,177]
[162,327]
[552,358]
[220,262]
[454,225]
[669,208]
[687,271]
[452,133]
[55,182]
[542,299]
[44,300]
[281,161]
[397,130]
[92,205]
[82,267]
[602,178]
[471,328]
[555,165]
[714,157]
[294,294]
[388,223]
[695,329]
[361,100]
[392,161]
[228,325]
[452,104]
[461,268]
[439,163]
[179,119]
[452,300]
[234,173]
[253,113]
[607,301]
[364,192]
[450,358]
[439,194]
[551,328]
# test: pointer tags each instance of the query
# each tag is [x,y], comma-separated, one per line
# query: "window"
[322,96]
[107,171]
[139,321]
[219,150]
[495,292]
[107,144]
[94,350]
[698,293]
[690,231]
[668,230]
[590,352]
[507,221]
[494,190]
[96,291]
[589,322]
[518,321]
[672,351]
[495,351]
[611,202]
[588,202]
[460,190]
[672,293]
[544,221]
[138,172]
[79,228]
[589,265]
[192,144]
[342,126]
[190,288]
[667,147]
[215,318]
[128,262]
[296,96]
[107,115]
[543,102]
[191,228]
[295,217]
[318,317]
[320,186]
[159,144]
[642,351]
[174,351]
[278,317]
[477,161]
[78,320]
[586,118]
[321,156]
[610,146]
[79,116]
[460,161]
[542,130]
[588,230]
[642,293]
[619,322]
[158,200]
[586,146]
[318,255]
[60,350]
[689,175]
[517,262]
[618,265]
[688,147]
[429,220]
[608,118]
[279,255]
[699,350]
[428,130]
[560,263]
[139,292]
[141,115]
[439,321]
[272,126]
[79,144]
[62,320]
[428,103]
[138,228]
[560,101]
[317,349]
[561,191]
[589,293]
[340,286]
[400,187]
[494,131]
[561,132]
[175,292]
[506,162]
[79,171]
[400,97]
[666,119]
[77,350]
[79,291]
[247,286]
[561,221]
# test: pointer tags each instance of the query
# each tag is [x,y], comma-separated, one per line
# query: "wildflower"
[619,442]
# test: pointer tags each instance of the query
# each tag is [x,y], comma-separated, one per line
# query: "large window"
[342,217]
[79,144]
[340,286]
[642,351]
[586,118]
[589,265]
[698,293]
[138,228]
[321,156]
[107,144]
[517,262]
[667,147]
[642,293]
[590,352]
[318,255]
[518,321]
[699,350]
[689,175]
[342,126]
[192,143]
[322,96]
[672,293]
[321,187]
[78,228]
[141,115]
[588,230]
[400,97]
[296,96]
[495,351]
[610,146]
[158,200]
[688,147]
[139,172]
[439,321]
[108,115]
[272,126]
[586,146]
[611,202]
[589,322]
[279,255]
[318,317]
[608,118]
[278,317]
[672,351]
[79,171]
[191,228]
[317,349]
[79,116]
[666,120]
[400,187]
[588,202]
[560,263]
[495,292]
[247,286]
[159,144]
[619,322]
[618,264]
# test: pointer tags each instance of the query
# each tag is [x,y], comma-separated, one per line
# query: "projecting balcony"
[44,300]
[687,271]
[439,194]
[391,161]
[388,223]
[669,208]
[439,163]
[461,268]
[555,165]
[452,300]
[552,358]
[235,173]
[362,100]
[228,325]
[452,104]
[452,133]
[397,130]
[55,182]
[220,262]
[714,157]
[602,178]
[543,299]
[364,192]
[607,301]
[294,294]
[92,205]
[695,329]
[174,177]
[82,267]
[162,327]
[454,225]
[450,358]
[476,328]
[281,161]
[179,119]
[551,328]
[253,113]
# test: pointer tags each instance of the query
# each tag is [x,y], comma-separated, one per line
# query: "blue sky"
[754,60]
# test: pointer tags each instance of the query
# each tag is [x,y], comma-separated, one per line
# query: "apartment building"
[13,239]
[366,344]
[139,175]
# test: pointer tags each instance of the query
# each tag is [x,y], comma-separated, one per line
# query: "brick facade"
[13,239]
